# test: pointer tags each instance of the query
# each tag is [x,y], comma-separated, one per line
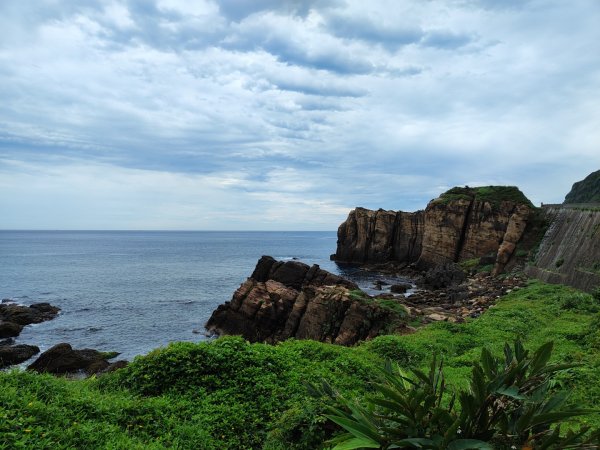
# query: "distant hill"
[585,191]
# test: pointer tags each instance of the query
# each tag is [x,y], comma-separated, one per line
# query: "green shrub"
[509,402]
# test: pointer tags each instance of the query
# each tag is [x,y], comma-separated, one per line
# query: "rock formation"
[289,299]
[461,224]
[380,236]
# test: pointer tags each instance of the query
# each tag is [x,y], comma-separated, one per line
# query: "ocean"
[133,291]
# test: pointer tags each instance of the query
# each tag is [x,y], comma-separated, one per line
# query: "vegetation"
[229,394]
[494,195]
[585,191]
[509,403]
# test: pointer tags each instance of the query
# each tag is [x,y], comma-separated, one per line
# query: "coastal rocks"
[26,315]
[283,300]
[16,354]
[62,359]
[9,329]
[469,299]
[461,224]
[443,276]
[13,318]
[379,236]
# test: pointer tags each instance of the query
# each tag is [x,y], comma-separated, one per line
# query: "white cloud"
[235,113]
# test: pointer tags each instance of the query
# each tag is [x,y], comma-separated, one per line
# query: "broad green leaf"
[511,391]
[354,443]
[469,444]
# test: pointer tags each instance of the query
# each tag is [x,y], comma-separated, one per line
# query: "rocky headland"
[461,224]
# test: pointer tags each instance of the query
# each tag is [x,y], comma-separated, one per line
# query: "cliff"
[570,250]
[289,299]
[461,224]
[586,190]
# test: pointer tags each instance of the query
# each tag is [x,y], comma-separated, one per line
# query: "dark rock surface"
[10,329]
[25,315]
[444,276]
[16,354]
[289,299]
[400,288]
[62,359]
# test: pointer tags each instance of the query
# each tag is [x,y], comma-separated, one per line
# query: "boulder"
[9,329]
[62,359]
[16,354]
[400,288]
[444,276]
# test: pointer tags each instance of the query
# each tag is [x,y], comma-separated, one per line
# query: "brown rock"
[301,302]
[452,228]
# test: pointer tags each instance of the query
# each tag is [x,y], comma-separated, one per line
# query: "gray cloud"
[269,110]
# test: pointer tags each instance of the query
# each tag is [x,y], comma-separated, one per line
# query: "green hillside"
[586,190]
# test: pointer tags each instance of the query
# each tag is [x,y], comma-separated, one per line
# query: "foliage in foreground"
[229,394]
[509,403]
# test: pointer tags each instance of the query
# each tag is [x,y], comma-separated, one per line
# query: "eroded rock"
[283,300]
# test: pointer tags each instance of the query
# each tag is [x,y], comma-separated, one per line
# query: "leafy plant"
[509,402]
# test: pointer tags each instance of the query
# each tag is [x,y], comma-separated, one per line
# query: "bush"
[509,403]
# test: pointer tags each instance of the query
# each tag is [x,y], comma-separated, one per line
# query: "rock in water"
[25,315]
[9,329]
[62,358]
[16,354]
[290,299]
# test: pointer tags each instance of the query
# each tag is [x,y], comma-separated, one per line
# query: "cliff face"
[461,224]
[570,250]
[380,236]
[289,299]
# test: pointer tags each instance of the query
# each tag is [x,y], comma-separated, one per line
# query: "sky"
[285,115]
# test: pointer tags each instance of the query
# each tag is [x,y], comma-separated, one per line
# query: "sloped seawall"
[570,250]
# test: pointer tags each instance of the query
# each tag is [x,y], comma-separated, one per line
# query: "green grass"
[229,394]
[494,195]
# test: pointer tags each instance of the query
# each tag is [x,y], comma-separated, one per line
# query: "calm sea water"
[134,291]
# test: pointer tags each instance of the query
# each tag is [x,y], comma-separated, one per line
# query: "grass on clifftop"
[229,394]
[495,195]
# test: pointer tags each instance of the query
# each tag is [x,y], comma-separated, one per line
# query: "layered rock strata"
[570,250]
[283,300]
[460,225]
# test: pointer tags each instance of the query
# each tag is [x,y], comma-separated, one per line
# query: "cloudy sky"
[265,114]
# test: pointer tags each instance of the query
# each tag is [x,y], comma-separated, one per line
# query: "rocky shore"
[60,359]
[283,300]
